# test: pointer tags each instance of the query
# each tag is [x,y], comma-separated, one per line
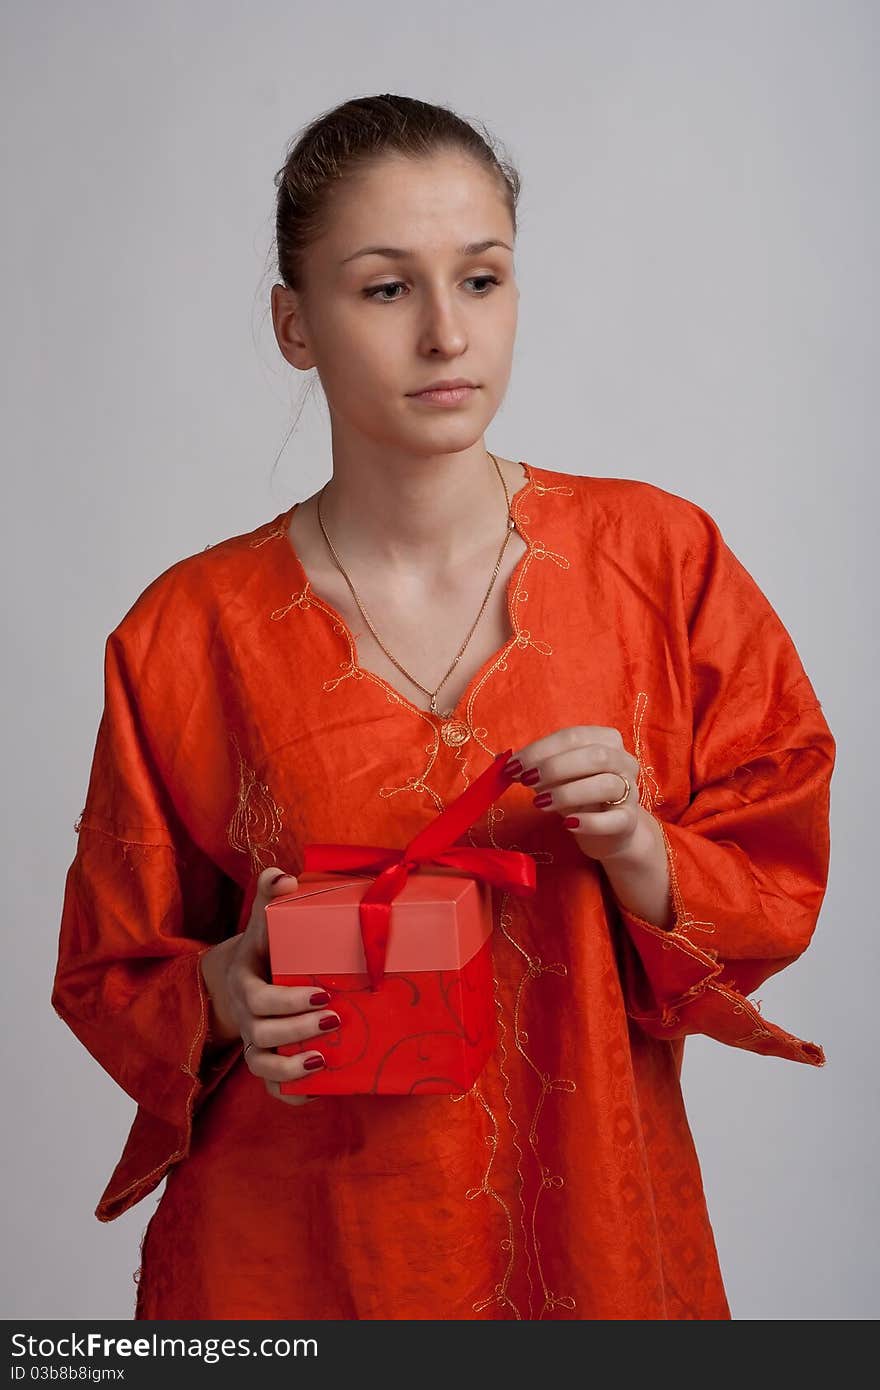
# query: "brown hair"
[341,142]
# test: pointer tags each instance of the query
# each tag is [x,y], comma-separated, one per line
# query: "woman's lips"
[453,397]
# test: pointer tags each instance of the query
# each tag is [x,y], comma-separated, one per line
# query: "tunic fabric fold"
[238,727]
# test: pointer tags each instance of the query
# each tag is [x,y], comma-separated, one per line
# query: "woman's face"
[380,327]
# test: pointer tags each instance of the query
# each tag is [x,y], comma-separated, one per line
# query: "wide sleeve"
[142,903]
[748,858]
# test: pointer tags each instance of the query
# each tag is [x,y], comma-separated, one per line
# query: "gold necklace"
[511,525]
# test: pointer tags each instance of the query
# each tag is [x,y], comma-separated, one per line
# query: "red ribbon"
[506,868]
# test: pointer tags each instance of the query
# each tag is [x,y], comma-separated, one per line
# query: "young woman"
[341,674]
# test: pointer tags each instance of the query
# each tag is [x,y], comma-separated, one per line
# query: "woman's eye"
[395,284]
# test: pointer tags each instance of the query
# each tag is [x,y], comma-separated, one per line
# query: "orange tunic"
[237,727]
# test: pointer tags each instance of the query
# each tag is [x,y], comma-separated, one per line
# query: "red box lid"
[439,920]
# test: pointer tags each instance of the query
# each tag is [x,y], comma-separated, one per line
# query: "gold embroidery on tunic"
[307,598]
[300,600]
[647,798]
[270,532]
[683,918]
[183,1148]
[500,1294]
[521,637]
[535,967]
[256,823]
[454,732]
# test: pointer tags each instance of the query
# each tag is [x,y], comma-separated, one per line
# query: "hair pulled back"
[344,141]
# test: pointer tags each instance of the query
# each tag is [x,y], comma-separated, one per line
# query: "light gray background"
[697,261]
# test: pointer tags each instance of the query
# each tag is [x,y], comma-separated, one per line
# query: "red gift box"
[404,951]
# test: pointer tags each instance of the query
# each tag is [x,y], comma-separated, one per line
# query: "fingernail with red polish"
[331,1021]
[572,822]
[513,768]
[312,1063]
[531,777]
[320,998]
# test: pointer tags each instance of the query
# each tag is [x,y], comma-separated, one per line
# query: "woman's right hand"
[245,1004]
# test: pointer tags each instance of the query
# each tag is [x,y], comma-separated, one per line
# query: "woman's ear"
[290,330]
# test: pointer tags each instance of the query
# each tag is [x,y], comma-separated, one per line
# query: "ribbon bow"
[505,868]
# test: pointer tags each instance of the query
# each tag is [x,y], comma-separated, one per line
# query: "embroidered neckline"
[306,597]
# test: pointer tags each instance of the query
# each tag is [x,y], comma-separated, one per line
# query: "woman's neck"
[427,519]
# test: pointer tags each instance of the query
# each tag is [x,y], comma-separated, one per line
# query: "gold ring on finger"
[621,799]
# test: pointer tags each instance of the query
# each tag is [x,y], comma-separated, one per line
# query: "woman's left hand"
[580,770]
